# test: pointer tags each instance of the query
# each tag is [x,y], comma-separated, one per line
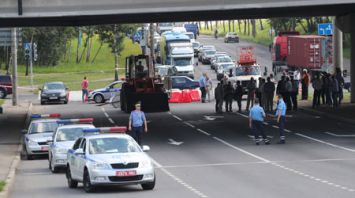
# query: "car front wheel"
[148,186]
[88,187]
[71,183]
[98,98]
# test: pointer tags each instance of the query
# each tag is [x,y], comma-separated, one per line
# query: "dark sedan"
[184,82]
[54,92]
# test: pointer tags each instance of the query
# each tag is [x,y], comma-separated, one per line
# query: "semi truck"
[291,52]
[166,41]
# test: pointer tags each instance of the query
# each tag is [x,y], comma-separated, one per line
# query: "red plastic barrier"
[186,96]
[175,96]
[195,95]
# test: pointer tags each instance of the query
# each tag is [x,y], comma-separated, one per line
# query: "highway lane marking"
[245,116]
[190,125]
[324,142]
[288,131]
[177,179]
[336,135]
[204,132]
[108,116]
[177,117]
[274,126]
[282,167]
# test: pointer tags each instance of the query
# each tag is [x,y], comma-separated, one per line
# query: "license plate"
[44,148]
[126,173]
[53,98]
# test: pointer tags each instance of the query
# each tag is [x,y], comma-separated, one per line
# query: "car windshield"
[224,59]
[44,127]
[191,36]
[195,45]
[110,145]
[69,134]
[247,70]
[163,71]
[53,86]
[182,61]
[210,52]
[232,34]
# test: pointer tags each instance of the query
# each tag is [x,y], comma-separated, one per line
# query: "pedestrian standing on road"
[238,95]
[330,90]
[84,89]
[281,118]
[335,91]
[288,88]
[228,96]
[324,88]
[269,89]
[136,123]
[256,119]
[218,95]
[262,93]
[294,93]
[297,76]
[281,86]
[305,84]
[258,92]
[251,87]
[340,79]
[209,87]
[202,82]
[317,86]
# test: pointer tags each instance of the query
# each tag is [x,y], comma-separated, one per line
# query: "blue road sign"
[325,29]
[27,45]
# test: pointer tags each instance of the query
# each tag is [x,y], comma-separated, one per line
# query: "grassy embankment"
[99,73]
[2,185]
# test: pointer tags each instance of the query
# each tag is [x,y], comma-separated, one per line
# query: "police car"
[39,133]
[63,140]
[108,159]
[104,94]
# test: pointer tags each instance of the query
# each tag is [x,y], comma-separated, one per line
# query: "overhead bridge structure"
[20,13]
[86,12]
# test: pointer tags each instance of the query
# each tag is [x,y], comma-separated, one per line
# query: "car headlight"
[145,164]
[31,142]
[62,94]
[61,150]
[43,94]
[100,165]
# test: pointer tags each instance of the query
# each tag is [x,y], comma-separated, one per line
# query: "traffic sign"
[325,29]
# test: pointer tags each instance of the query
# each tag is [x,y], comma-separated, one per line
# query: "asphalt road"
[216,156]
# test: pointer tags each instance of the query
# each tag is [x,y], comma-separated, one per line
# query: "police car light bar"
[119,129]
[74,121]
[53,115]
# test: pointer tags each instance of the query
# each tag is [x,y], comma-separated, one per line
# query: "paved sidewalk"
[11,123]
[344,113]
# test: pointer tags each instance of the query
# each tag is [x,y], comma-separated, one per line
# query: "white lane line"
[274,126]
[245,116]
[288,131]
[177,118]
[336,135]
[204,132]
[281,166]
[324,142]
[108,116]
[265,123]
[190,125]
[178,180]
[242,150]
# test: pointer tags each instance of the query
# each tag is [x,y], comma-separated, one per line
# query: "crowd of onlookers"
[328,90]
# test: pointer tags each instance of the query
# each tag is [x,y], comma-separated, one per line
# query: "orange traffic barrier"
[186,96]
[195,95]
[175,96]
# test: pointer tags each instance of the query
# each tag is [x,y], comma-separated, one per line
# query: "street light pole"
[14,66]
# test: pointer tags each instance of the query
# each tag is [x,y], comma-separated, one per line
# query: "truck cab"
[182,59]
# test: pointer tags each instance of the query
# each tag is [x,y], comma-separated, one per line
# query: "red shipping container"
[305,51]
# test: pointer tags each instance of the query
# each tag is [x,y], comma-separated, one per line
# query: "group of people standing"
[328,89]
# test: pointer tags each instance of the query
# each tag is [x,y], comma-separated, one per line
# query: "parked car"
[103,94]
[164,70]
[207,56]
[213,60]
[5,85]
[196,47]
[222,60]
[54,92]
[231,37]
[202,49]
[184,82]
[226,69]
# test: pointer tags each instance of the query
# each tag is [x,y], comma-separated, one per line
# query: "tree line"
[54,44]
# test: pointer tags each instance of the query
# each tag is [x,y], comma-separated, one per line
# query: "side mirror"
[24,131]
[79,152]
[145,148]
[66,88]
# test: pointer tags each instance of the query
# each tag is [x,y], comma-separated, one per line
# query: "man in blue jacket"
[281,117]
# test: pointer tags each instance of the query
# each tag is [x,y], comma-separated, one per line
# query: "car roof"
[108,135]
[44,120]
[76,126]
[58,82]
